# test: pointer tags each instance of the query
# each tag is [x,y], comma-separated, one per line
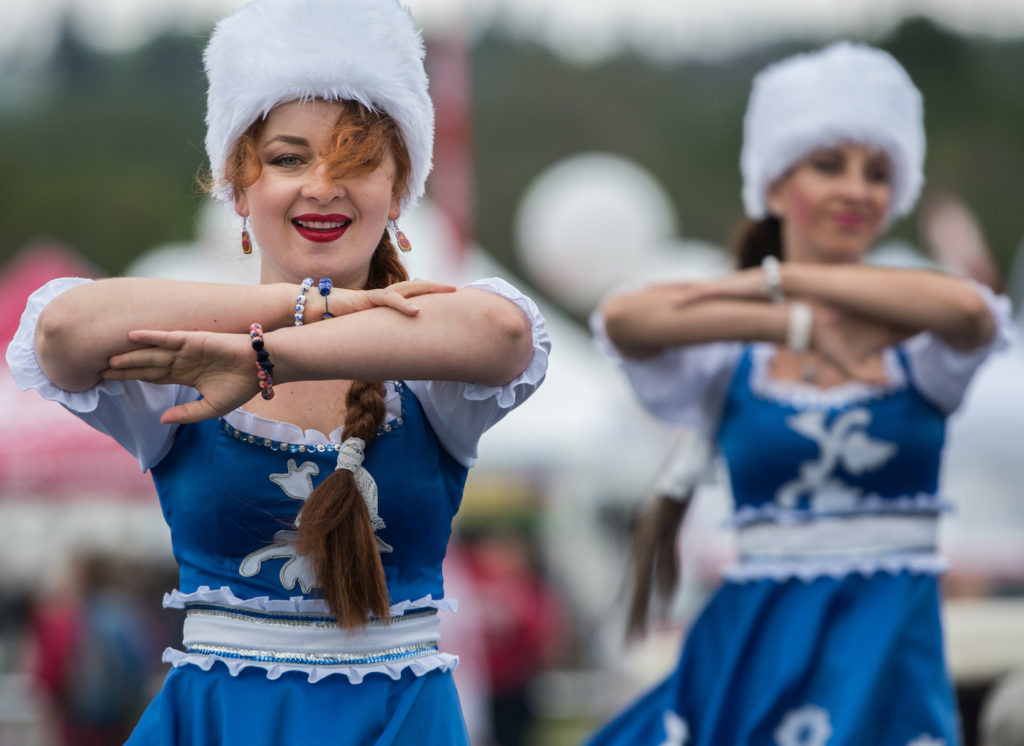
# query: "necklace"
[808,370]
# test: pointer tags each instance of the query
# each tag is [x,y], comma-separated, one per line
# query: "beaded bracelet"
[263,365]
[325,290]
[300,302]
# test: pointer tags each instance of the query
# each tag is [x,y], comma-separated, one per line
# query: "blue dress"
[827,629]
[262,662]
[230,499]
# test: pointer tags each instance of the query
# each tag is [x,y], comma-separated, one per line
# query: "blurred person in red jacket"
[87,656]
[522,625]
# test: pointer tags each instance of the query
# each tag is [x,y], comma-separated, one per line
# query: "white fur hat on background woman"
[274,51]
[844,93]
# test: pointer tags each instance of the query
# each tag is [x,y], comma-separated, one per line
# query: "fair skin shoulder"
[832,206]
[307,223]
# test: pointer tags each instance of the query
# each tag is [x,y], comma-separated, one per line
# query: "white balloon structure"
[595,221]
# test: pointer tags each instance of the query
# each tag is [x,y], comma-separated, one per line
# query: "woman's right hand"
[220,366]
[853,343]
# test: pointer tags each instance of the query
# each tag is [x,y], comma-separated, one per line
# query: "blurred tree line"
[102,150]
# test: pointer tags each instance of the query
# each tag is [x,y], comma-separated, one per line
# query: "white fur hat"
[843,93]
[274,51]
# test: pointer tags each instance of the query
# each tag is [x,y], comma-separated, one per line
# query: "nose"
[854,185]
[320,185]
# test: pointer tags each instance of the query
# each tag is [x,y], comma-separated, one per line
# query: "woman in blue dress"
[825,384]
[310,436]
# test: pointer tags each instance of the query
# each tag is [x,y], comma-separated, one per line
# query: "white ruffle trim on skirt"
[294,605]
[808,570]
[240,637]
[924,503]
[355,674]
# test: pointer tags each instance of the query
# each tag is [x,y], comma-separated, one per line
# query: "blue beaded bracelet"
[325,290]
[300,302]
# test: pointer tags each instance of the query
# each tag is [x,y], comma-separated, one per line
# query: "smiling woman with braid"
[309,436]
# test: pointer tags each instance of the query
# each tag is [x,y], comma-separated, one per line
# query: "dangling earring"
[246,241]
[400,239]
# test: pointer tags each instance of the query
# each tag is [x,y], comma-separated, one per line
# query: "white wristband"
[772,278]
[798,328]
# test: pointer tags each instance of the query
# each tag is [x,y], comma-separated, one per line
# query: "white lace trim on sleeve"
[684,385]
[460,412]
[128,411]
[21,354]
[942,373]
[511,394]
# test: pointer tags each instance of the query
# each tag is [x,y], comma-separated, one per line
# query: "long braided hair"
[654,569]
[335,532]
[654,562]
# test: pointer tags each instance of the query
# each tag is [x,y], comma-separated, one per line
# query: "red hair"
[360,141]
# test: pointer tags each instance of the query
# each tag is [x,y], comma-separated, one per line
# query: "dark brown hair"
[335,532]
[655,562]
[756,239]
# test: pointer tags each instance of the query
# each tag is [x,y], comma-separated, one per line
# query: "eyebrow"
[289,139]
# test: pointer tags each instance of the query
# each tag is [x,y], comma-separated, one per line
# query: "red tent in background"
[45,451]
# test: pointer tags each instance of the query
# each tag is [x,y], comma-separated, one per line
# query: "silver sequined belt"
[306,639]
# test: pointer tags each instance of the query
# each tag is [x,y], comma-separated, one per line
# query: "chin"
[845,249]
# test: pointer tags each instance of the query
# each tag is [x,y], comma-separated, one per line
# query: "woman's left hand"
[343,301]
[747,284]
[220,366]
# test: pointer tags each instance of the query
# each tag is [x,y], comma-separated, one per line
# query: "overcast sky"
[582,29]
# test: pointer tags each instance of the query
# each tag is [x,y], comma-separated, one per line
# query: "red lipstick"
[321,228]
[849,220]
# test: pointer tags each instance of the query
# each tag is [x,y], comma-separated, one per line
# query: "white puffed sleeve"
[683,385]
[128,411]
[460,412]
[940,372]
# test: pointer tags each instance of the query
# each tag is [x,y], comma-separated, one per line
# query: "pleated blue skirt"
[848,661]
[214,708]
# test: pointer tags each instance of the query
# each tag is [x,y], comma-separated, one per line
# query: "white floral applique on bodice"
[844,442]
[297,484]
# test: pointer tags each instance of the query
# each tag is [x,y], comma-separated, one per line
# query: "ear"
[396,209]
[241,204]
[775,199]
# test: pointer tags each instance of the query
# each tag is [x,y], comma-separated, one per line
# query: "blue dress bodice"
[869,452]
[231,498]
[827,628]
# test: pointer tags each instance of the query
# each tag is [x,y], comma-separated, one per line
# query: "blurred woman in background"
[309,438]
[826,385]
